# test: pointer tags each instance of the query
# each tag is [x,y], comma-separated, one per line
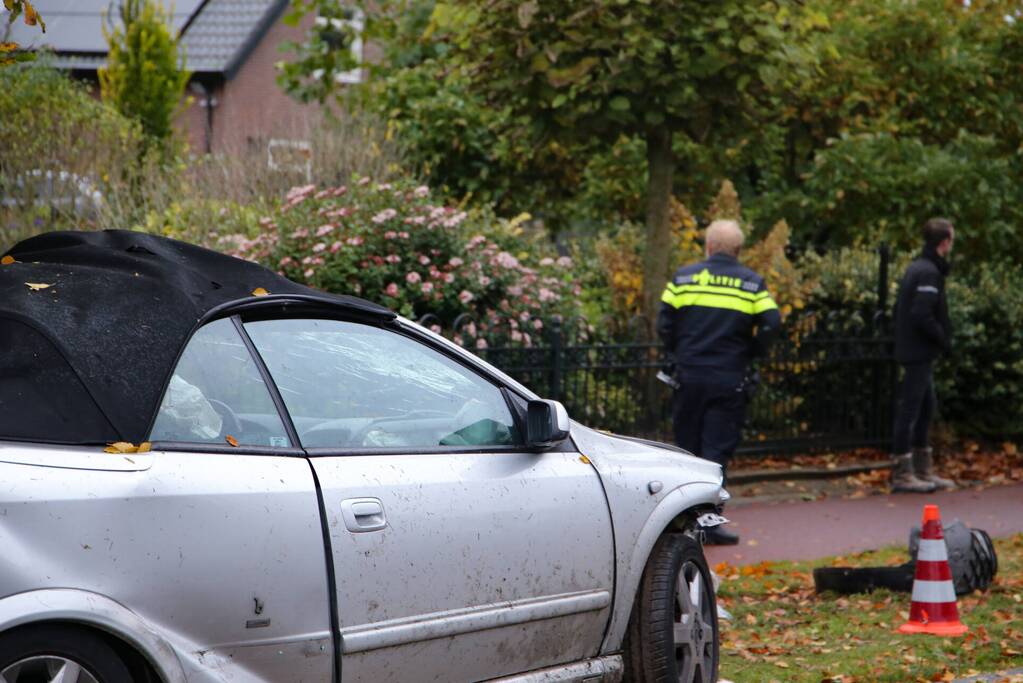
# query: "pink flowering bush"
[395,244]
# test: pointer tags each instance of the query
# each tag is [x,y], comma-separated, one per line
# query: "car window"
[348,385]
[217,392]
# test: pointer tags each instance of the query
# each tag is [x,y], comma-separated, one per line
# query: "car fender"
[93,609]
[647,486]
[677,503]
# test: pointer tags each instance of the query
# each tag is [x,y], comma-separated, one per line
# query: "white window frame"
[303,147]
[358,23]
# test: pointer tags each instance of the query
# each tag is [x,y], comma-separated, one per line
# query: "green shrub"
[203,221]
[844,297]
[867,188]
[51,127]
[144,77]
[197,198]
[978,381]
[394,244]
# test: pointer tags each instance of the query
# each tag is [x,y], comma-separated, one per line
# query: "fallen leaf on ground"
[36,286]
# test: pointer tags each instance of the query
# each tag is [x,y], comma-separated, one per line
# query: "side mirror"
[547,424]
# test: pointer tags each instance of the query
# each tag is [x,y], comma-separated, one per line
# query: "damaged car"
[211,473]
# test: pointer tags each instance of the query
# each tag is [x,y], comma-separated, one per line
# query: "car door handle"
[363,514]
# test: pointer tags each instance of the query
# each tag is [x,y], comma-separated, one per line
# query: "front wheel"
[673,632]
[58,653]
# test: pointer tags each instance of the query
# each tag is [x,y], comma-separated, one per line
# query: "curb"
[739,501]
[753,476]
[993,678]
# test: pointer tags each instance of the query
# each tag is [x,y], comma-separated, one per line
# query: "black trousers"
[917,405]
[707,415]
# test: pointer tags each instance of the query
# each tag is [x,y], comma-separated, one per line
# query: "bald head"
[723,237]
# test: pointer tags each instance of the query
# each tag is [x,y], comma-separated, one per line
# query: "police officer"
[715,317]
[922,333]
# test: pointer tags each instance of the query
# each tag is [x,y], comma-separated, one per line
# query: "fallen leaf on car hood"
[36,286]
[127,447]
[259,291]
[7,260]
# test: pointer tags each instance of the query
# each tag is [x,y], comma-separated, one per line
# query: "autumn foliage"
[782,630]
[620,255]
[11,52]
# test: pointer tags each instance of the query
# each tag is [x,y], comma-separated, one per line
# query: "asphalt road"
[802,530]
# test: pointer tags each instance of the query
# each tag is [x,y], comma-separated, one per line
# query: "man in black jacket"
[922,333]
[715,317]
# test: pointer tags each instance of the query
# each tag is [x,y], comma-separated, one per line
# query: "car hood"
[611,454]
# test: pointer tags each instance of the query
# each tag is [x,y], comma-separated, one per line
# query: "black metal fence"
[819,390]
[819,393]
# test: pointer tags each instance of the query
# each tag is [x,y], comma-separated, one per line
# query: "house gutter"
[208,102]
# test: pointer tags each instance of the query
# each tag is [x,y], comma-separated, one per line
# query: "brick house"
[233,100]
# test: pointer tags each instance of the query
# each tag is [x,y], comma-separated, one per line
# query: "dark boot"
[718,535]
[903,479]
[923,468]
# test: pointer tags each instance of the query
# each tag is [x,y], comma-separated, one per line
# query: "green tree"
[872,187]
[326,52]
[145,76]
[897,111]
[447,132]
[670,72]
[916,110]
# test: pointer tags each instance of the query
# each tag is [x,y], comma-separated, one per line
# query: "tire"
[984,559]
[40,654]
[660,646]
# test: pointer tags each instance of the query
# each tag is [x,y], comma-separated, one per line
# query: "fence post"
[884,377]
[557,358]
[881,314]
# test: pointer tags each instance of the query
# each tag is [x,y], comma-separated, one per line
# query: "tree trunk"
[657,250]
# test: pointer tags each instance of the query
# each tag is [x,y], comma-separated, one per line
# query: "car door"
[459,554]
[213,537]
[232,510]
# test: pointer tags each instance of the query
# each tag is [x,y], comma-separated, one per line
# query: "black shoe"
[717,535]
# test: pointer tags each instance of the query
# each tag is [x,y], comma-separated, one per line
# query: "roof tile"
[216,32]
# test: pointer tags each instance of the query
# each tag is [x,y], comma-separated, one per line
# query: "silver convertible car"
[210,473]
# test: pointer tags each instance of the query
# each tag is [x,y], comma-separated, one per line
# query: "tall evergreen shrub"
[145,76]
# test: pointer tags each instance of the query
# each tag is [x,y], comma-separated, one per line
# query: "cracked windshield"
[355,386]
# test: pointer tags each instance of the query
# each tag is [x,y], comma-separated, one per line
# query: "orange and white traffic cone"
[933,609]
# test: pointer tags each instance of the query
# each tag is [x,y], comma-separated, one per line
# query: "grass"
[782,631]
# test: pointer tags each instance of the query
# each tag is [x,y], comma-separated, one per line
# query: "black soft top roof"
[86,359]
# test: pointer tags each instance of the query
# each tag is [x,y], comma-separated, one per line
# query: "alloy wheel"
[694,634]
[46,669]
